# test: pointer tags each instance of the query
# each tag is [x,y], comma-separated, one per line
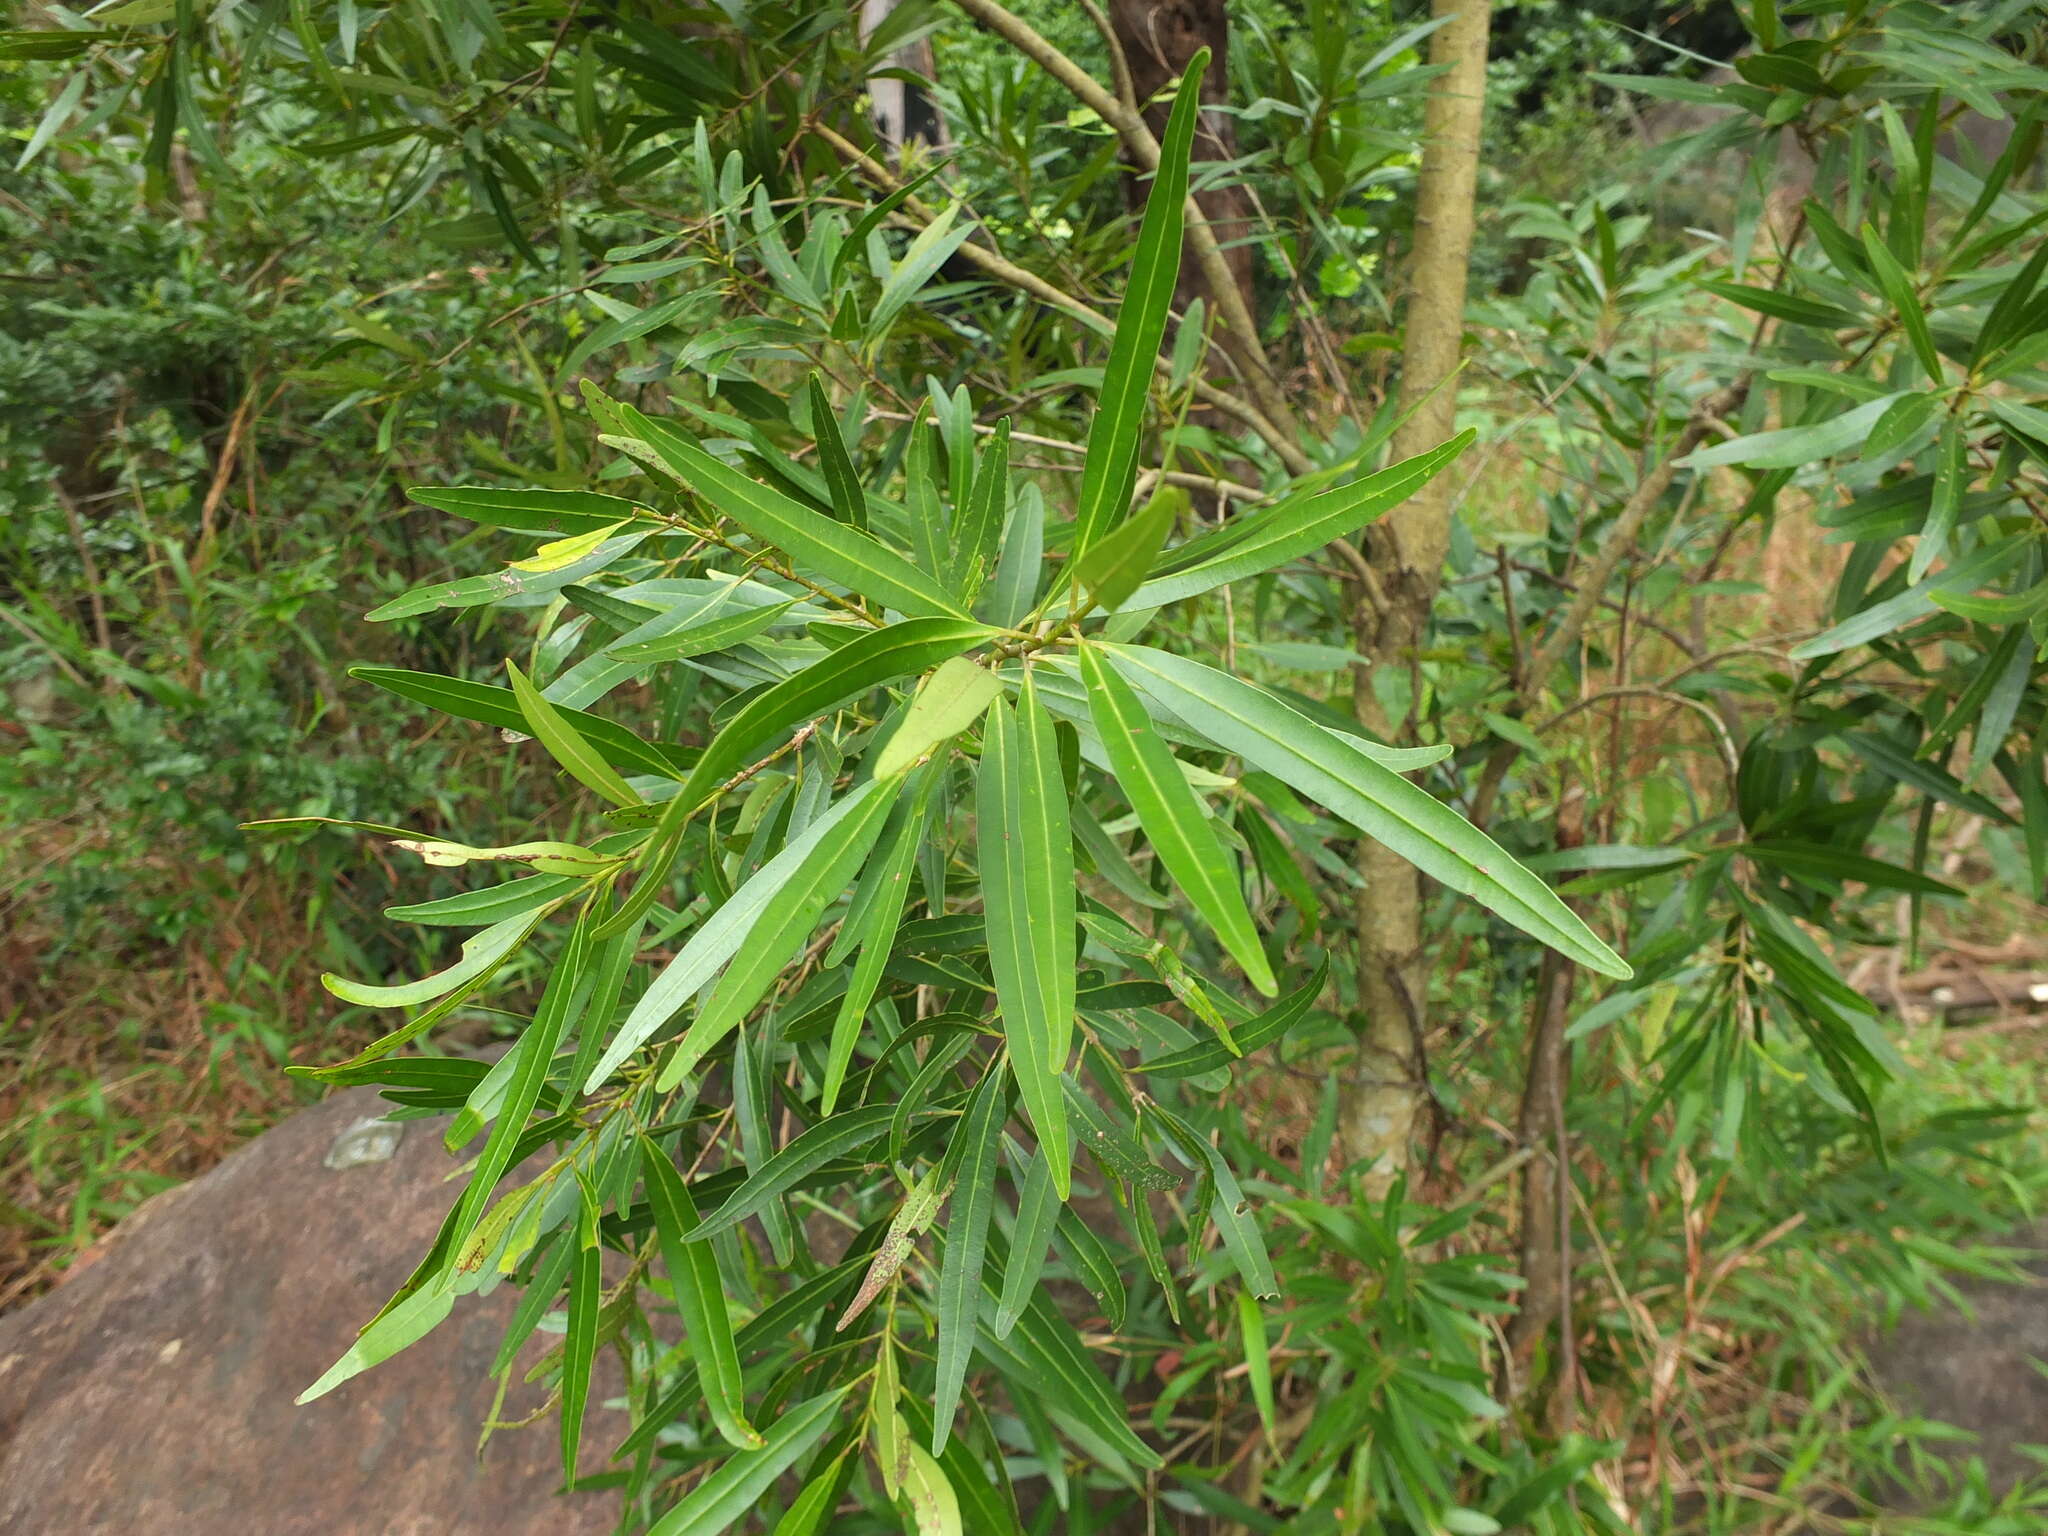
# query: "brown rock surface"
[152,1393]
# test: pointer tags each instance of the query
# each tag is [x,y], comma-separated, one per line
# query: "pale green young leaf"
[1172,816]
[1242,718]
[475,591]
[1290,529]
[699,1296]
[1115,434]
[833,550]
[1112,568]
[481,954]
[731,1493]
[974,1198]
[1030,954]
[566,745]
[1792,447]
[402,1326]
[951,699]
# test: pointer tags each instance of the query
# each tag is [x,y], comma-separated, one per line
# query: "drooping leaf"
[1030,947]
[1172,816]
[790,913]
[565,744]
[824,1141]
[1242,718]
[699,1296]
[735,1489]
[849,501]
[1113,566]
[959,1295]
[1267,1027]
[1297,526]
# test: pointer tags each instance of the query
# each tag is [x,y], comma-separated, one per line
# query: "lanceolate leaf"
[947,702]
[959,1299]
[497,706]
[579,1344]
[731,1493]
[1263,1030]
[1298,526]
[805,1155]
[1172,816]
[481,953]
[869,659]
[863,565]
[1229,1209]
[871,921]
[1028,896]
[565,744]
[544,514]
[979,528]
[714,634]
[1038,1206]
[792,912]
[699,1296]
[721,937]
[1250,722]
[1116,563]
[1114,436]
[849,501]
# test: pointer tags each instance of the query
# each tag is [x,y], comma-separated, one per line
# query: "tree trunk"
[1157,39]
[1404,556]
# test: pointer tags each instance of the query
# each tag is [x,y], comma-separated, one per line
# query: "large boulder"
[152,1392]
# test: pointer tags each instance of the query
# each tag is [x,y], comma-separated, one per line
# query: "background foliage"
[282,263]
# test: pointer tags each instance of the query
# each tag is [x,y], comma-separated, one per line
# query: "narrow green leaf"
[1038,1206]
[1172,816]
[1258,1362]
[1111,470]
[807,1515]
[1114,566]
[492,705]
[935,243]
[1229,1209]
[1792,447]
[1897,284]
[849,501]
[1289,529]
[493,904]
[565,744]
[496,586]
[720,938]
[872,918]
[1894,763]
[791,913]
[1241,718]
[700,1297]
[579,1344]
[732,1492]
[930,537]
[868,660]
[1916,602]
[1260,1031]
[1836,864]
[948,701]
[979,526]
[974,1198]
[715,634]
[1028,898]
[861,564]
[1951,480]
[934,1507]
[536,1055]
[1021,563]
[803,1156]
[481,953]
